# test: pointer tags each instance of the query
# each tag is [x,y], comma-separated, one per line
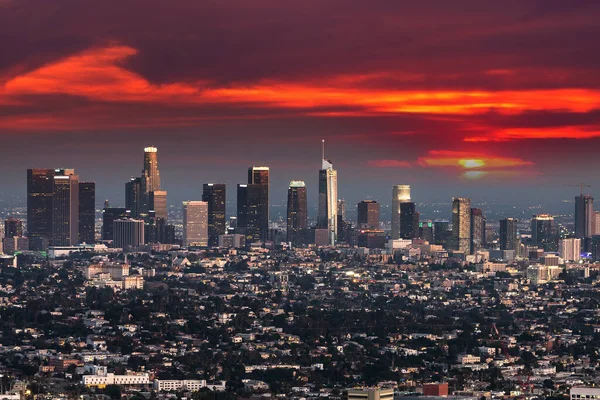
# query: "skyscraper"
[87,212]
[128,233]
[368,215]
[133,197]
[109,215]
[258,202]
[155,203]
[242,208]
[544,233]
[40,189]
[65,208]
[440,232]
[461,224]
[13,227]
[584,216]
[570,249]
[408,220]
[297,212]
[508,234]
[327,217]
[158,204]
[400,194]
[214,194]
[195,223]
[477,230]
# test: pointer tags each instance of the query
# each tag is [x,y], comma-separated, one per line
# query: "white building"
[103,379]
[579,393]
[370,394]
[539,274]
[161,385]
[195,223]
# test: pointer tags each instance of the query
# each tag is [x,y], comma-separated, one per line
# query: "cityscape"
[299,200]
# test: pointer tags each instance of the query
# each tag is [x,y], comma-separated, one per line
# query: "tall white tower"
[328,197]
[401,194]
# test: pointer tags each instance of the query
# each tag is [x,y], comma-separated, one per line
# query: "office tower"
[477,230]
[158,204]
[133,197]
[258,202]
[109,215]
[441,232]
[87,212]
[195,223]
[297,213]
[13,227]
[596,218]
[426,231]
[370,394]
[508,234]
[570,249]
[242,208]
[150,173]
[65,208]
[327,217]
[400,194]
[128,233]
[544,233]
[461,224]
[408,220]
[341,211]
[214,194]
[368,215]
[40,189]
[584,216]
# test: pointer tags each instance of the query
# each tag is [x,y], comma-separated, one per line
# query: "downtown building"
[297,213]
[253,205]
[478,226]
[400,194]
[60,209]
[508,234]
[195,223]
[461,224]
[328,199]
[214,194]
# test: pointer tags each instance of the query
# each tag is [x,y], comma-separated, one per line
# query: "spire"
[325,164]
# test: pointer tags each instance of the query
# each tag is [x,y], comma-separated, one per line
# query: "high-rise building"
[150,173]
[258,203]
[584,216]
[133,197]
[508,234]
[87,212]
[570,249]
[409,223]
[297,213]
[128,233]
[596,223]
[40,190]
[461,224]
[400,194]
[13,227]
[544,233]
[158,204]
[426,230]
[441,232]
[368,215]
[109,215]
[477,230]
[65,208]
[195,223]
[214,194]
[327,216]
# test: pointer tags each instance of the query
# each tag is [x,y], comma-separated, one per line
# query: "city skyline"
[499,98]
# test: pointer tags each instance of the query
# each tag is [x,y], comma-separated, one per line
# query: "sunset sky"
[488,99]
